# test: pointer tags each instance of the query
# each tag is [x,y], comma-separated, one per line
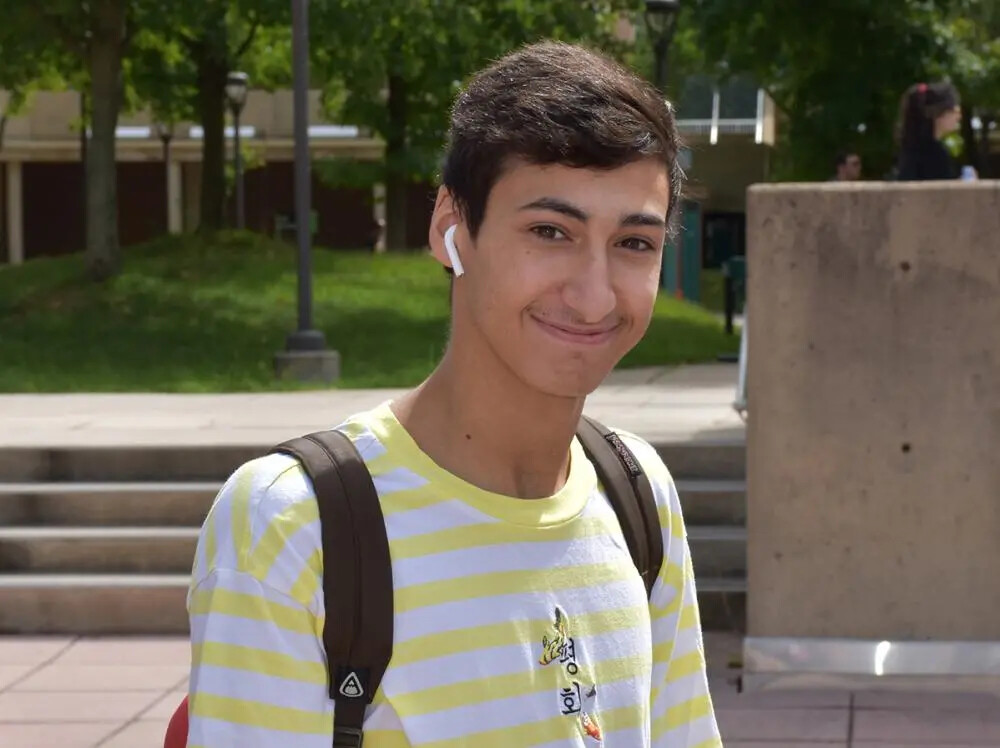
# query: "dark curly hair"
[554,103]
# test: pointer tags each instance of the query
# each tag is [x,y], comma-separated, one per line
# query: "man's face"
[560,282]
[851,170]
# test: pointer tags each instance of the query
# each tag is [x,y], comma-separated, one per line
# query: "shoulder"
[650,460]
[661,481]
[655,469]
[258,493]
[265,522]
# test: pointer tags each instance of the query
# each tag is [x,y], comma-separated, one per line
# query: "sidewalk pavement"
[119,693]
[690,402]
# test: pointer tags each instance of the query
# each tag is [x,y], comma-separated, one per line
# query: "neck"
[478,421]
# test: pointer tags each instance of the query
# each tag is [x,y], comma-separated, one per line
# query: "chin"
[568,382]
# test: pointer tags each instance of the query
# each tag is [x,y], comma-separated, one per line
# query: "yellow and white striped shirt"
[517,622]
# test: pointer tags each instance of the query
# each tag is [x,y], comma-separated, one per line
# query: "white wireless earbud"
[452,250]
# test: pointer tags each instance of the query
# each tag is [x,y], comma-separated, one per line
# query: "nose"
[590,292]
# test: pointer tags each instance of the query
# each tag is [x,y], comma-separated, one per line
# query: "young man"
[520,618]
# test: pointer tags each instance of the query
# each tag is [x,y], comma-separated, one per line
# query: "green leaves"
[833,67]
[432,46]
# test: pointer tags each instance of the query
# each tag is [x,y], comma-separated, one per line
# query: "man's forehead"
[647,177]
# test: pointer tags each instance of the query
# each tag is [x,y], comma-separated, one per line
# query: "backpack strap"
[630,494]
[357,577]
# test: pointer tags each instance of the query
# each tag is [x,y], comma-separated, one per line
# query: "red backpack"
[354,537]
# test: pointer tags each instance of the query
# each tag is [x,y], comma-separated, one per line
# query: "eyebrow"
[573,211]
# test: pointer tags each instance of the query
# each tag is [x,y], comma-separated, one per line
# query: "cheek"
[637,299]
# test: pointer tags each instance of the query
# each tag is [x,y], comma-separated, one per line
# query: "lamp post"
[661,19]
[236,92]
[306,356]
[165,132]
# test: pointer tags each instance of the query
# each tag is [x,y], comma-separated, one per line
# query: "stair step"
[116,550]
[718,552]
[719,460]
[710,460]
[722,604]
[713,502]
[120,463]
[107,604]
[166,504]
[106,504]
[93,604]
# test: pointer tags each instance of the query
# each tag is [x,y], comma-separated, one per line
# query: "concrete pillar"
[874,397]
[15,214]
[175,204]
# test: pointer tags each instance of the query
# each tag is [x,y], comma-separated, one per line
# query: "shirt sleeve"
[258,677]
[258,669]
[681,708]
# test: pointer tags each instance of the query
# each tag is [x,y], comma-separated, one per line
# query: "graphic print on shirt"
[576,698]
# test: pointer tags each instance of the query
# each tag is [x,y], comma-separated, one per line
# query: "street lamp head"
[661,16]
[663,7]
[163,130]
[236,89]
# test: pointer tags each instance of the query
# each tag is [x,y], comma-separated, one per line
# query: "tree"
[972,34]
[395,67]
[835,70]
[23,64]
[184,59]
[89,38]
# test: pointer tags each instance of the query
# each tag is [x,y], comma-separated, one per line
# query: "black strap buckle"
[347,737]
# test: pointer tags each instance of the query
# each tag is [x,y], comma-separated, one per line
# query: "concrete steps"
[98,550]
[704,460]
[713,502]
[107,504]
[185,504]
[93,604]
[101,540]
[717,552]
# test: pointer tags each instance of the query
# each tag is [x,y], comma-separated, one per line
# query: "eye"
[638,244]
[549,232]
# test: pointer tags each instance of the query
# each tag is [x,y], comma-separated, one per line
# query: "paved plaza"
[119,693]
[692,402]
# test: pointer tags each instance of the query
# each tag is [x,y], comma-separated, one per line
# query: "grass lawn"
[188,316]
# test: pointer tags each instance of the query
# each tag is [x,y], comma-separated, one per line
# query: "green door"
[686,267]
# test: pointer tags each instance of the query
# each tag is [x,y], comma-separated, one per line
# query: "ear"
[445,215]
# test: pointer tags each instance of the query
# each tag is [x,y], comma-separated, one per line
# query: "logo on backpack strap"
[351,686]
[624,454]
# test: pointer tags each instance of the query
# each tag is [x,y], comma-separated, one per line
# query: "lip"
[579,336]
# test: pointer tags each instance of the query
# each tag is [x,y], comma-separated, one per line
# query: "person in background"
[848,165]
[927,113]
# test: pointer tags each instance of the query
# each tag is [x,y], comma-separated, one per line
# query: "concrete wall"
[725,170]
[874,428]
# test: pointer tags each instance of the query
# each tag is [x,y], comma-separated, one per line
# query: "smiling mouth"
[578,335]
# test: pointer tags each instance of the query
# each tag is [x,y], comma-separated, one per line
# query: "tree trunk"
[395,166]
[212,72]
[103,254]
